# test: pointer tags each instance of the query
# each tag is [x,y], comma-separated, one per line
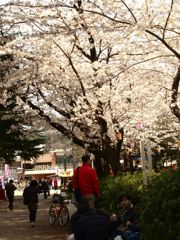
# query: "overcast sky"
[3,1]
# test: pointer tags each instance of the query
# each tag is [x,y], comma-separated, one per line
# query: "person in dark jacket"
[90,224]
[10,188]
[126,220]
[30,195]
[45,188]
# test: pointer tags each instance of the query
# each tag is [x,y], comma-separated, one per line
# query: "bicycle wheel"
[52,215]
[63,216]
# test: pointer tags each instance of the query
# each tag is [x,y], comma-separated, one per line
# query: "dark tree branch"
[83,52]
[74,69]
[68,133]
[165,43]
[65,131]
[129,11]
[174,97]
[108,17]
[60,111]
[93,52]
[164,30]
[103,125]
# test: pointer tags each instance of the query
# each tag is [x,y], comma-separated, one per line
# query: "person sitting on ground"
[90,223]
[126,221]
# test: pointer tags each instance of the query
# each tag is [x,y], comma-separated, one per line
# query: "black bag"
[25,196]
[25,202]
[77,195]
[77,191]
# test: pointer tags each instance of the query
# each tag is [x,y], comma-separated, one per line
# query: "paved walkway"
[14,225]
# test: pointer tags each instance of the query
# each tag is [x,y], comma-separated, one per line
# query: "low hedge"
[160,207]
[159,202]
[112,187]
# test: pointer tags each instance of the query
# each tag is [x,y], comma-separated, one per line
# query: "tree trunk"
[113,156]
[110,156]
[174,97]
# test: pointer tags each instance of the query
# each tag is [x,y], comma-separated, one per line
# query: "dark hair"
[83,207]
[122,196]
[85,158]
[33,183]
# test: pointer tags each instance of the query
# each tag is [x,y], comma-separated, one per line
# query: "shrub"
[160,209]
[112,187]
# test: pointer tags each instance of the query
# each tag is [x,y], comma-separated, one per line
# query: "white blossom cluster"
[97,61]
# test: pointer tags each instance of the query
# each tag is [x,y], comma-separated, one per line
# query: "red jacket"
[55,183]
[87,180]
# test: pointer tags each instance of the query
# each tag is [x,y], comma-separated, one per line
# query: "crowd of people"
[32,188]
[91,223]
[88,222]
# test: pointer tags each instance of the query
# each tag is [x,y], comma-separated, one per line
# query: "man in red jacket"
[87,181]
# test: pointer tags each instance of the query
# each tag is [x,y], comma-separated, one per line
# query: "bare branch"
[60,111]
[65,131]
[83,52]
[165,43]
[130,11]
[73,67]
[174,97]
[164,30]
[146,60]
[106,16]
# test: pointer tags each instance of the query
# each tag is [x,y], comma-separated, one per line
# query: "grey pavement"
[14,225]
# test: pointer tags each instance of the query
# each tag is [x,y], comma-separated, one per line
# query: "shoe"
[32,224]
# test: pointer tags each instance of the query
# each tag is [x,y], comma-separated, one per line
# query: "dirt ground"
[14,225]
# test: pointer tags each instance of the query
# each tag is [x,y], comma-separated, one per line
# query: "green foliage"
[161,207]
[16,137]
[112,187]
[159,203]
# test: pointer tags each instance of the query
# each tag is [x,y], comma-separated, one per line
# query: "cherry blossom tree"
[93,69]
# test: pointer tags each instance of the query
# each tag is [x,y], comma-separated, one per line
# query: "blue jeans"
[129,235]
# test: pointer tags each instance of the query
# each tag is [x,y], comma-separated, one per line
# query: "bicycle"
[58,211]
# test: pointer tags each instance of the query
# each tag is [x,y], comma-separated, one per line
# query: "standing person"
[49,186]
[86,181]
[2,191]
[105,169]
[30,195]
[40,186]
[10,188]
[55,184]
[45,188]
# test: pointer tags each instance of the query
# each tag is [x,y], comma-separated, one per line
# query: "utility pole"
[149,153]
[143,162]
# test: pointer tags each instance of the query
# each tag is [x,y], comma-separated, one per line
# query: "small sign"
[139,125]
[66,174]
